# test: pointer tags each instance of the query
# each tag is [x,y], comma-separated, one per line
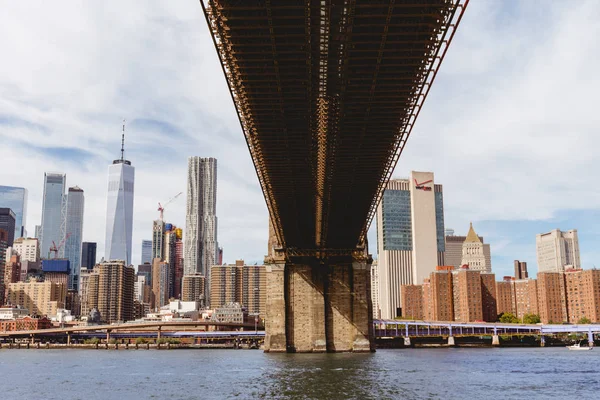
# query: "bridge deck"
[327,93]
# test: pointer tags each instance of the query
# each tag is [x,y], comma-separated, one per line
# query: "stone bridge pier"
[317,304]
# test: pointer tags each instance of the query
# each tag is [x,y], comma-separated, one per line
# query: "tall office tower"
[88,255]
[7,222]
[52,211]
[473,253]
[454,248]
[557,251]
[200,250]
[146,251]
[15,198]
[583,294]
[28,250]
[38,233]
[521,270]
[489,300]
[158,239]
[88,281]
[410,236]
[466,289]
[12,274]
[173,254]
[115,291]
[119,209]
[74,231]
[552,300]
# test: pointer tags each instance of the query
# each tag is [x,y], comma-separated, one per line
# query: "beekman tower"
[119,209]
[201,245]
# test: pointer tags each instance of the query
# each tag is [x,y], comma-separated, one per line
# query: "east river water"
[524,373]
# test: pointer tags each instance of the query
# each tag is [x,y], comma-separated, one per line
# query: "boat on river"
[577,347]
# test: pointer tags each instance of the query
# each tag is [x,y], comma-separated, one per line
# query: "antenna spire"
[123,142]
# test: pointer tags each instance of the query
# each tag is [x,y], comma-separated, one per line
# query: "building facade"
[40,298]
[119,210]
[74,224]
[412,302]
[504,297]
[193,288]
[15,198]
[489,300]
[473,253]
[454,250]
[239,283]
[521,270]
[52,212]
[201,246]
[441,295]
[557,251]
[115,291]
[7,222]
[466,289]
[88,255]
[146,251]
[583,295]
[375,290]
[552,300]
[27,248]
[410,236]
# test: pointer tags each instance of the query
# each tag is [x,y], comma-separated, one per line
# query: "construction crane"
[161,208]
[54,249]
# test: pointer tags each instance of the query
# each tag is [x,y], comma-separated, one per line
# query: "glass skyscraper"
[146,251]
[410,237]
[74,228]
[119,210]
[52,211]
[15,198]
[88,255]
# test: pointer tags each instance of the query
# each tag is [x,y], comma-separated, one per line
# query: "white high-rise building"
[52,212]
[201,247]
[74,228]
[557,251]
[119,209]
[410,237]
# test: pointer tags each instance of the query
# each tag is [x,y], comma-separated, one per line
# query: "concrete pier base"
[542,341]
[450,340]
[316,306]
[495,340]
[407,341]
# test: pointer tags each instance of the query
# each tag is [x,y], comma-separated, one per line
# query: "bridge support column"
[590,339]
[542,341]
[275,321]
[407,341]
[316,305]
[451,341]
[495,340]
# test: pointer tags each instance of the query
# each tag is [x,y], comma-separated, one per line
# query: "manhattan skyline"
[507,167]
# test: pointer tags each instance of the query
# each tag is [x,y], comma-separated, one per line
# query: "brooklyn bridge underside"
[327,93]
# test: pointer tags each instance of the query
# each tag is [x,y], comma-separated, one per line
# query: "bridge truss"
[327,93]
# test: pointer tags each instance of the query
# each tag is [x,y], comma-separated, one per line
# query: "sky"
[509,127]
